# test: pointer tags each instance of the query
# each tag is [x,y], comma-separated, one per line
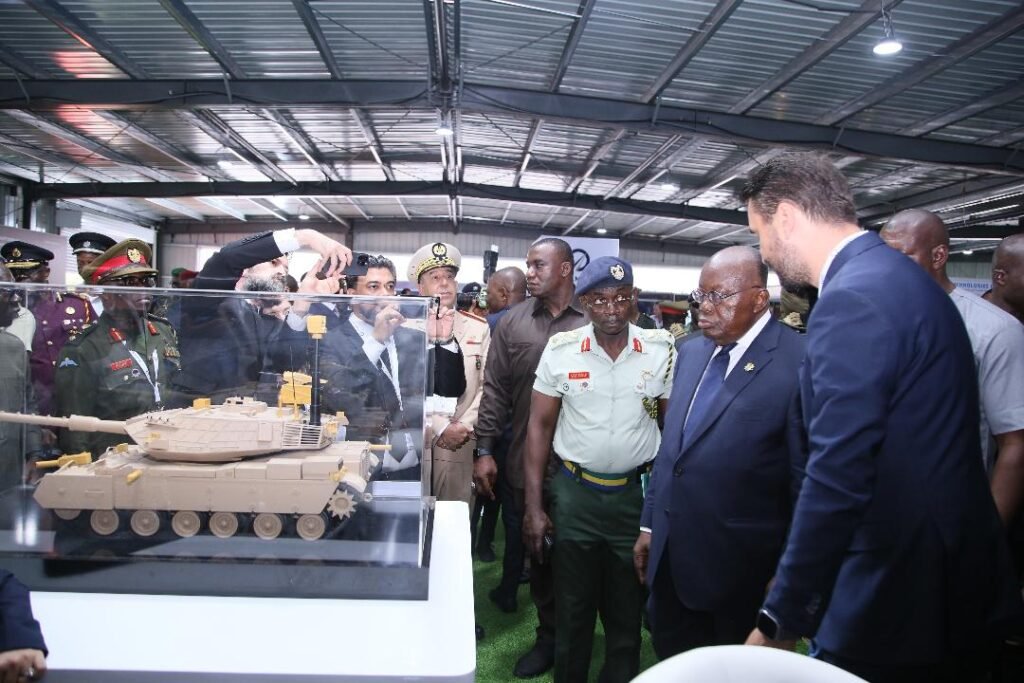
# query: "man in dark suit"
[720,497]
[895,563]
[376,372]
[22,648]
[225,348]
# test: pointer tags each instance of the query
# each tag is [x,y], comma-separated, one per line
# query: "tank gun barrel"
[77,423]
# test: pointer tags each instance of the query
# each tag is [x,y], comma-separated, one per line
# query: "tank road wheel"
[145,522]
[104,522]
[267,525]
[224,524]
[66,514]
[186,523]
[311,527]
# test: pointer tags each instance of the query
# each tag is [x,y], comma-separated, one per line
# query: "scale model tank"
[232,461]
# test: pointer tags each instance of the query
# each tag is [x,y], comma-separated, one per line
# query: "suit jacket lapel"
[698,354]
[757,357]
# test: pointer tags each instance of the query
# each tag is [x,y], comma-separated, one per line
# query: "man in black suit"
[22,648]
[376,371]
[718,505]
[224,343]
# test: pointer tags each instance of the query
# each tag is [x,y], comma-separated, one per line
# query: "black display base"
[375,556]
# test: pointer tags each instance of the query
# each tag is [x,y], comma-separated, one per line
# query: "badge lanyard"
[141,362]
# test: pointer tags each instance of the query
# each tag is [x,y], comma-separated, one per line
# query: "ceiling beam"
[719,14]
[292,130]
[994,31]
[18,171]
[85,142]
[223,207]
[579,25]
[524,160]
[984,232]
[195,28]
[995,98]
[216,128]
[597,153]
[725,172]
[956,193]
[137,132]
[373,142]
[267,205]
[833,39]
[684,150]
[644,165]
[639,224]
[572,109]
[67,164]
[86,36]
[350,190]
[117,210]
[18,63]
[316,34]
[176,207]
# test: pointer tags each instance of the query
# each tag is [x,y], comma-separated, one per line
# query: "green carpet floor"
[510,635]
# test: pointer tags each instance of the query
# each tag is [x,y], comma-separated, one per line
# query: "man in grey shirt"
[997,339]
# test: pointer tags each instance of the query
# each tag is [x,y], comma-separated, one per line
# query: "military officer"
[598,396]
[459,341]
[122,365]
[58,316]
[86,246]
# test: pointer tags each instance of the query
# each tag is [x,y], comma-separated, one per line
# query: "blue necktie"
[710,385]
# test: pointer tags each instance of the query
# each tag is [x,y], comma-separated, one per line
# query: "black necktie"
[384,362]
[714,379]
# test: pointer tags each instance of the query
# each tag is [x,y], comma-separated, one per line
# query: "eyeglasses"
[699,296]
[132,281]
[619,300]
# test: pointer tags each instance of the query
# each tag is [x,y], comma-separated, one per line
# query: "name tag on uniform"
[579,375]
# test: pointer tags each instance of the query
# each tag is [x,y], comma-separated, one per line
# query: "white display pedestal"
[168,638]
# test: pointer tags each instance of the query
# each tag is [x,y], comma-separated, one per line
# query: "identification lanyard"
[141,362]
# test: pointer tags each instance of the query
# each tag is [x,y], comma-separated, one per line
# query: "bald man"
[505,289]
[997,340]
[718,505]
[1008,276]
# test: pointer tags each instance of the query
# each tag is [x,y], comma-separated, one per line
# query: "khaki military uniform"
[452,471]
[108,373]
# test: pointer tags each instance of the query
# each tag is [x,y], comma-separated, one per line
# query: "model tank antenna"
[316,325]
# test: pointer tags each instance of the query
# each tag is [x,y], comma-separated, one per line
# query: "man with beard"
[58,316]
[16,441]
[122,365]
[516,347]
[599,394]
[225,345]
[895,562]
[375,371]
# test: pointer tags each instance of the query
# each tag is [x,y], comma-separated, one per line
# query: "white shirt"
[835,252]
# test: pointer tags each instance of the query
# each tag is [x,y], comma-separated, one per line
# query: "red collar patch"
[585,345]
[152,328]
[637,346]
[115,335]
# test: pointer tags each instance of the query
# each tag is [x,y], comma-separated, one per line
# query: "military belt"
[602,481]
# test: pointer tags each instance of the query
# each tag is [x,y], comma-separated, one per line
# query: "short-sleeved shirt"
[997,339]
[604,424]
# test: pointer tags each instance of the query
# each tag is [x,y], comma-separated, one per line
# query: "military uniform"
[122,365]
[111,374]
[452,471]
[606,435]
[59,318]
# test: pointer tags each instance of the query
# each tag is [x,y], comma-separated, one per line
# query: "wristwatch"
[479,452]
[768,624]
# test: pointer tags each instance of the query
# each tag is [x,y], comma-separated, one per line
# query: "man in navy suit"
[895,563]
[720,497]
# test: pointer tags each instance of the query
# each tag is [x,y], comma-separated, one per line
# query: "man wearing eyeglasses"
[719,500]
[123,364]
[597,400]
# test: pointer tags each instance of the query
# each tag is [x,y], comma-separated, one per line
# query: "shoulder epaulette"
[76,339]
[563,338]
[663,336]
[158,318]
[474,317]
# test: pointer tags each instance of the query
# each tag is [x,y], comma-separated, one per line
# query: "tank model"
[239,460]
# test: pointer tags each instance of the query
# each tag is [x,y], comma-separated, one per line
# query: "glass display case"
[214,442]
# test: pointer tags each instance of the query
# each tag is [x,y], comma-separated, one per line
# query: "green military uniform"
[114,374]
[606,430]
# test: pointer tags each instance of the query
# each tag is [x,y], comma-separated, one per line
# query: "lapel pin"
[749,367]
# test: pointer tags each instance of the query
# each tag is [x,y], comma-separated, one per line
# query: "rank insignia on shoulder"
[171,352]
[563,338]
[68,363]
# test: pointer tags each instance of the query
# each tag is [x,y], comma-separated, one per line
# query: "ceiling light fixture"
[669,187]
[444,128]
[967,252]
[602,231]
[888,45]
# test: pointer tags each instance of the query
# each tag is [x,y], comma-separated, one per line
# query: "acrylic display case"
[215,443]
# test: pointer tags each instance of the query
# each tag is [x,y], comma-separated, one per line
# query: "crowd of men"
[859,485]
